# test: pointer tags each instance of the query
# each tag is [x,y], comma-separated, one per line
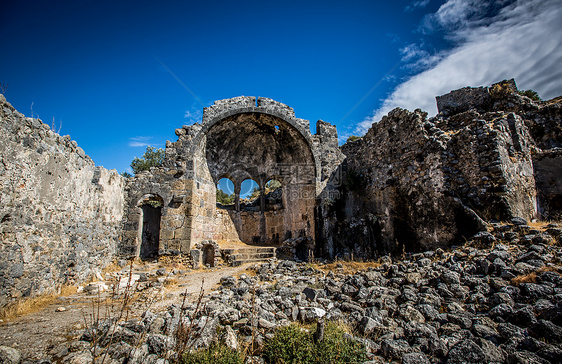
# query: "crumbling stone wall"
[414,183]
[238,139]
[60,214]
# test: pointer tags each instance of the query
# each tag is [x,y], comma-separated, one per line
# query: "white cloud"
[454,12]
[413,51]
[523,41]
[193,115]
[139,141]
[416,4]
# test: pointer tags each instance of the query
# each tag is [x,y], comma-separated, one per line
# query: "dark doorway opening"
[209,255]
[150,231]
[304,250]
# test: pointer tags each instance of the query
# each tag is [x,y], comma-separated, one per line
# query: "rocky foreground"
[498,299]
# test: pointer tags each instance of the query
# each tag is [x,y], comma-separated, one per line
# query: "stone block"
[196,258]
[464,99]
[167,234]
[182,233]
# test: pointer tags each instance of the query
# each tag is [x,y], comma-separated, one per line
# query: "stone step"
[237,263]
[252,256]
[236,257]
[230,251]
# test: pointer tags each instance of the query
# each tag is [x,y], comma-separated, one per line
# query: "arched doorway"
[273,170]
[208,255]
[151,214]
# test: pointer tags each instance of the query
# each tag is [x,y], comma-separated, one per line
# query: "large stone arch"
[243,140]
[223,109]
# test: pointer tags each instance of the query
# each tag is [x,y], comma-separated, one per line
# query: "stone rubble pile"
[498,299]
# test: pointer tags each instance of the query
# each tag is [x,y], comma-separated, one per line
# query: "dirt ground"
[33,334]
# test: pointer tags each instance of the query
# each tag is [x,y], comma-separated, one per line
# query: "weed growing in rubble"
[216,354]
[293,344]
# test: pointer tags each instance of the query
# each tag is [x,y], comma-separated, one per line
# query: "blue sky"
[104,68]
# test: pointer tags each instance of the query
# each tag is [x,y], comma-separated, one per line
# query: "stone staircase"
[239,256]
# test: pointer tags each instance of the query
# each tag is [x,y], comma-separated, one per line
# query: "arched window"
[225,194]
[250,195]
[273,195]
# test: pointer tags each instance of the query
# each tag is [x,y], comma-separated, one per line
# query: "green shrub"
[152,157]
[290,345]
[216,354]
[293,345]
[335,348]
[533,95]
[352,138]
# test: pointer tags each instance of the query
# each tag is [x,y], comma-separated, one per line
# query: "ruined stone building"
[409,184]
[239,139]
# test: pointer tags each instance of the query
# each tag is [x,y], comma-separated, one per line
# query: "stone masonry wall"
[413,183]
[60,214]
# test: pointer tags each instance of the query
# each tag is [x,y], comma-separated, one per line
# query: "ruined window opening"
[250,195]
[276,128]
[273,195]
[225,194]
[151,208]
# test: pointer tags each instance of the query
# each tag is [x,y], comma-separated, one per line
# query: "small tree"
[153,157]
[533,95]
[352,138]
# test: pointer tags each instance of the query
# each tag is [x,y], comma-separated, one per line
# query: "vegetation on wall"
[152,157]
[533,95]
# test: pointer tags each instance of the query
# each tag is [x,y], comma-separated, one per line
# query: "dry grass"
[172,262]
[27,306]
[170,282]
[540,225]
[66,290]
[112,268]
[348,267]
[527,278]
[532,277]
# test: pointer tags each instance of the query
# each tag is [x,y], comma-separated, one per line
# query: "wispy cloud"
[522,40]
[416,4]
[193,115]
[139,141]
